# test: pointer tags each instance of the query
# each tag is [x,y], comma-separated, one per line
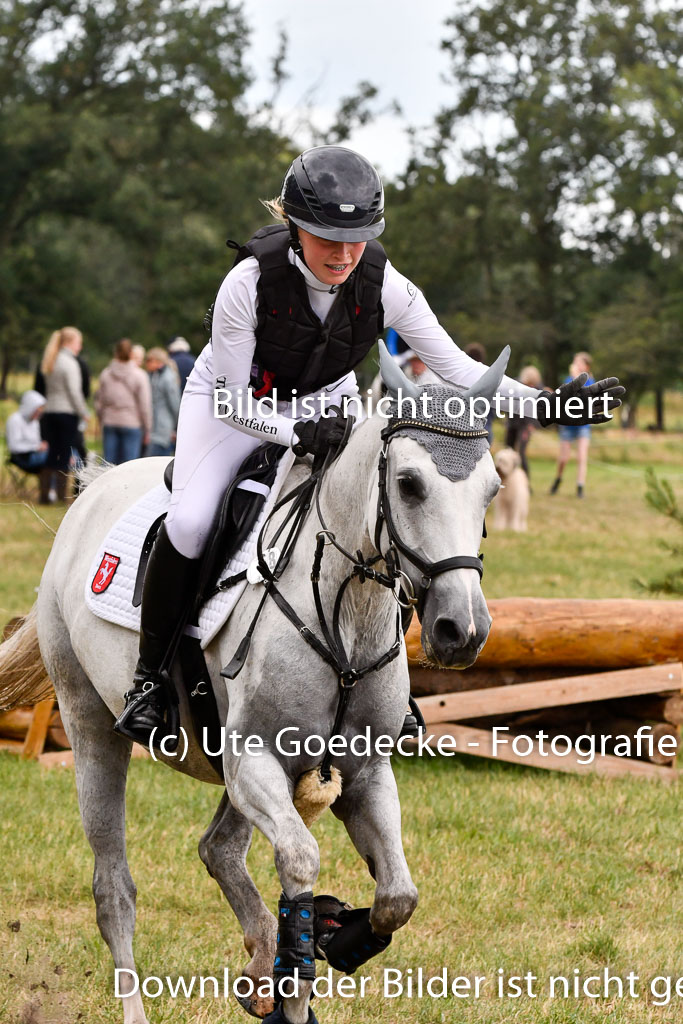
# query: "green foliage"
[128,158]
[661,498]
[589,152]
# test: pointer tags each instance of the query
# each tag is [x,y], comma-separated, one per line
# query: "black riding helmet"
[334,193]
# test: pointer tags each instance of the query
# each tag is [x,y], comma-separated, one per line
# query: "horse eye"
[409,487]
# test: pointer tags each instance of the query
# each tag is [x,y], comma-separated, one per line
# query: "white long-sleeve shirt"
[227,361]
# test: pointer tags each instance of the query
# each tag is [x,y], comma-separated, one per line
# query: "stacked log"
[15,724]
[546,665]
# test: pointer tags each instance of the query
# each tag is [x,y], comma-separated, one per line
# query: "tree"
[582,99]
[127,159]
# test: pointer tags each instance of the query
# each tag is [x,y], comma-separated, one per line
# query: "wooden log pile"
[566,668]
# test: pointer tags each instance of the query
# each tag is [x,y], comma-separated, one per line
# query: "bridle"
[384,517]
[331,647]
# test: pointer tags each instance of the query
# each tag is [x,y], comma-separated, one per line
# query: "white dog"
[512,504]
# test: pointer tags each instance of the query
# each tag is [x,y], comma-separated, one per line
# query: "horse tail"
[23,677]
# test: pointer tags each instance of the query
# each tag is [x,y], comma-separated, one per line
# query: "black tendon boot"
[168,593]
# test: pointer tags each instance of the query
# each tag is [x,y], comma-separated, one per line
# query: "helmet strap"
[295,241]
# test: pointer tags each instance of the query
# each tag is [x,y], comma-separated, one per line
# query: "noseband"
[384,518]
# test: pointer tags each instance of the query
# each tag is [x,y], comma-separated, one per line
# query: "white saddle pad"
[110,582]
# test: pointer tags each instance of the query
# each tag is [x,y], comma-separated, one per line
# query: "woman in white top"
[303,305]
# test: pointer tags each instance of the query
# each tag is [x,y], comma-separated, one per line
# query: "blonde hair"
[57,340]
[586,357]
[276,209]
[530,376]
[158,354]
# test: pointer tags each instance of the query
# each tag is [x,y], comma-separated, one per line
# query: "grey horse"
[284,683]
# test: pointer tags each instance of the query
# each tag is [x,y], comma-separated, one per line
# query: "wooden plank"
[479,743]
[534,632]
[12,746]
[37,731]
[501,700]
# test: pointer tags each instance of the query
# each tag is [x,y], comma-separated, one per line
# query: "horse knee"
[297,860]
[391,910]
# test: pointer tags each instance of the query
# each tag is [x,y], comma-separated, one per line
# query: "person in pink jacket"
[124,406]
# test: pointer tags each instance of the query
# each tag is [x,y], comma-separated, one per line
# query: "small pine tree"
[660,496]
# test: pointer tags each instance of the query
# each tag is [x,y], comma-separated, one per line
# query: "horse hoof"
[256,1006]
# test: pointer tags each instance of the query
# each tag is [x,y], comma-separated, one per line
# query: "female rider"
[301,308]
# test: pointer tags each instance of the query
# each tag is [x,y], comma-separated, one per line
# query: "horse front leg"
[370,809]
[261,791]
[223,848]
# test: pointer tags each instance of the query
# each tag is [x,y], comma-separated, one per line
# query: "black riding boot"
[169,589]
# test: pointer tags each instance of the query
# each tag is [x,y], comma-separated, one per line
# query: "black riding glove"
[316,437]
[571,407]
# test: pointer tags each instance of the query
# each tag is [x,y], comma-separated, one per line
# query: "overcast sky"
[392,43]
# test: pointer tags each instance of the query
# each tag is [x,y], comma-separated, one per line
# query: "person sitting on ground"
[577,431]
[25,445]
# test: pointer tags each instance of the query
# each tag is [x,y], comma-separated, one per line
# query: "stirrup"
[414,723]
[169,725]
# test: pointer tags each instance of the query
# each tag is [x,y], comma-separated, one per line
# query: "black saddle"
[233,522]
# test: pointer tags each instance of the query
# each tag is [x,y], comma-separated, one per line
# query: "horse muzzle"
[455,638]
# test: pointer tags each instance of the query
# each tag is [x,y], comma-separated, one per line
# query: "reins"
[331,648]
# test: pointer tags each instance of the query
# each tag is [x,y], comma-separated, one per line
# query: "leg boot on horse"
[168,591]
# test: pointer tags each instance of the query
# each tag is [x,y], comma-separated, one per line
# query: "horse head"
[440,479]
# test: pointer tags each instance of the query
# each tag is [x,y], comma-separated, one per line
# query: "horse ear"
[489,382]
[394,377]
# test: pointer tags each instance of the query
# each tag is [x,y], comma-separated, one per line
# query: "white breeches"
[209,452]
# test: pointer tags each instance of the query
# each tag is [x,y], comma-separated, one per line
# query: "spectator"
[124,406]
[413,367]
[65,405]
[165,402]
[581,363]
[25,445]
[179,351]
[520,428]
[138,355]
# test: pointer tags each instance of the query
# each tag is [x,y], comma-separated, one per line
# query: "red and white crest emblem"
[105,573]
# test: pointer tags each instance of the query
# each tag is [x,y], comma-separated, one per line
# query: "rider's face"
[331,262]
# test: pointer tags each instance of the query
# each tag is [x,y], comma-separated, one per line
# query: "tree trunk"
[535,632]
[5,366]
[659,409]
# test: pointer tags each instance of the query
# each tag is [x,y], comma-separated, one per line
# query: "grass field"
[517,869]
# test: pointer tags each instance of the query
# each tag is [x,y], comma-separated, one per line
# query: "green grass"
[517,869]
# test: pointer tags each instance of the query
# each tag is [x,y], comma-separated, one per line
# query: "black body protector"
[295,351]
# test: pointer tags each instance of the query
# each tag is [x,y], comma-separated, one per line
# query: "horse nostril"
[448,634]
